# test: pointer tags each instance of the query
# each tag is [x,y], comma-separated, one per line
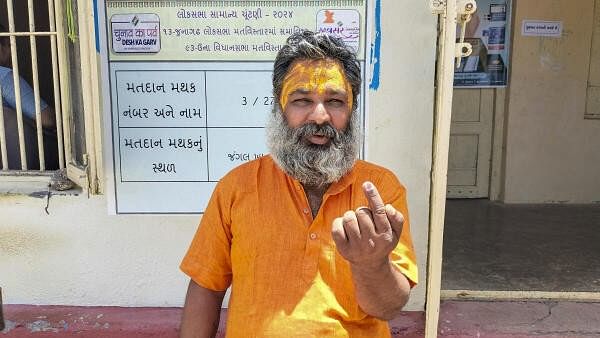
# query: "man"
[303,235]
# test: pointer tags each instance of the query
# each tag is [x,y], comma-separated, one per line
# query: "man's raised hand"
[366,237]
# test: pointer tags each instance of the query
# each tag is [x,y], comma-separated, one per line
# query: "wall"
[78,255]
[552,152]
[81,256]
[401,112]
[593,94]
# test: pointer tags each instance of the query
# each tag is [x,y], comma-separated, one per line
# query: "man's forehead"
[306,74]
[315,64]
[322,76]
[308,90]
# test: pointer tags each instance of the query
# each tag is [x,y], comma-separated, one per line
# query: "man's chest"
[264,223]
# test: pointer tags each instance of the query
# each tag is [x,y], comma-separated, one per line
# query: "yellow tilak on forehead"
[315,76]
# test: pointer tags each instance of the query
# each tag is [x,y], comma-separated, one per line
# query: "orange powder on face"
[315,76]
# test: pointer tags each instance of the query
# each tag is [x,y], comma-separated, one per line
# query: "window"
[51,122]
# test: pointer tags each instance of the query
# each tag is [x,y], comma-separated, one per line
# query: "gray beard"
[312,164]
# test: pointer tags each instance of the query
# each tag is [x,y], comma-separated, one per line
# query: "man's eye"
[336,102]
[302,101]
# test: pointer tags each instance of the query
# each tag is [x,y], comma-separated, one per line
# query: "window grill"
[39,125]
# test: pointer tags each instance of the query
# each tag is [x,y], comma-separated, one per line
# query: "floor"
[487,246]
[458,319]
[494,246]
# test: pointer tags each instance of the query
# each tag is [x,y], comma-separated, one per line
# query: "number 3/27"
[266,101]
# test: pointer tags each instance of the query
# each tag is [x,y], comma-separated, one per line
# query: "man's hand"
[366,237]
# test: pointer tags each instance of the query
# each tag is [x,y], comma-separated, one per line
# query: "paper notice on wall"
[551,29]
[488,32]
[135,33]
[343,23]
[190,90]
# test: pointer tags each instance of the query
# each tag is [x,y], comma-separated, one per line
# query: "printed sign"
[190,103]
[488,33]
[551,29]
[135,33]
[341,23]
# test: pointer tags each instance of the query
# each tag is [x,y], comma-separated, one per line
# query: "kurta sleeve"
[208,259]
[403,256]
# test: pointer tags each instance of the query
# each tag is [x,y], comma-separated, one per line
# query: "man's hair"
[307,45]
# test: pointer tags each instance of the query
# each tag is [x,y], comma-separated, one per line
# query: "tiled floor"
[493,246]
[457,319]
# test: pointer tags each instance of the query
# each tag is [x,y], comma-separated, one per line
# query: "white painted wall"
[78,255]
[552,152]
[401,114]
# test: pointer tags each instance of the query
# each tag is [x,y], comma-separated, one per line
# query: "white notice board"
[187,90]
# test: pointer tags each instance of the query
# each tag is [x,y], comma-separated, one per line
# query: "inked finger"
[350,224]
[377,206]
[337,232]
[396,219]
[366,225]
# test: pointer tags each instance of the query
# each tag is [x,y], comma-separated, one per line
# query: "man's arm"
[365,238]
[201,312]
[381,291]
[48,118]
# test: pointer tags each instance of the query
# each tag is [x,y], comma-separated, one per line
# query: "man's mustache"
[311,129]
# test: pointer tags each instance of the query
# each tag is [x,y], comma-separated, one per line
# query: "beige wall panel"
[552,153]
[595,53]
[465,105]
[462,177]
[470,143]
[593,101]
[463,152]
[400,126]
[593,97]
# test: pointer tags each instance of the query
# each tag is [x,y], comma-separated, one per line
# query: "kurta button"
[305,210]
[313,235]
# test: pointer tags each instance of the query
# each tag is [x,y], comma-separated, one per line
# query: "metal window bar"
[32,34]
[3,149]
[55,82]
[17,84]
[36,86]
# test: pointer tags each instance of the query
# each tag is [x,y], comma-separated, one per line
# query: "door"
[470,143]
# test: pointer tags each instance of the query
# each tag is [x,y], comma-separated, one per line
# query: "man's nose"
[320,114]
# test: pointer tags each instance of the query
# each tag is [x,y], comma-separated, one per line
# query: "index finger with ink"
[377,206]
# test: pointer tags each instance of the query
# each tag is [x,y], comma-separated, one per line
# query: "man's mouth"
[318,139]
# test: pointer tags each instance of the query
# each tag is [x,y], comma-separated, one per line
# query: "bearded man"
[313,242]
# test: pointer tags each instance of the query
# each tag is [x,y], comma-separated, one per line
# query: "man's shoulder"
[244,176]
[374,172]
[363,167]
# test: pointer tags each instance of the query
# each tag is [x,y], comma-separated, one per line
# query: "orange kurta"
[287,278]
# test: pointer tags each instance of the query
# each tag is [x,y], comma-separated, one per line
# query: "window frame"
[86,175]
[83,174]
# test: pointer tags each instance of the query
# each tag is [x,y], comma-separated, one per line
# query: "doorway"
[542,241]
[470,143]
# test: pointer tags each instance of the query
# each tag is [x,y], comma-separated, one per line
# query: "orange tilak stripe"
[315,76]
